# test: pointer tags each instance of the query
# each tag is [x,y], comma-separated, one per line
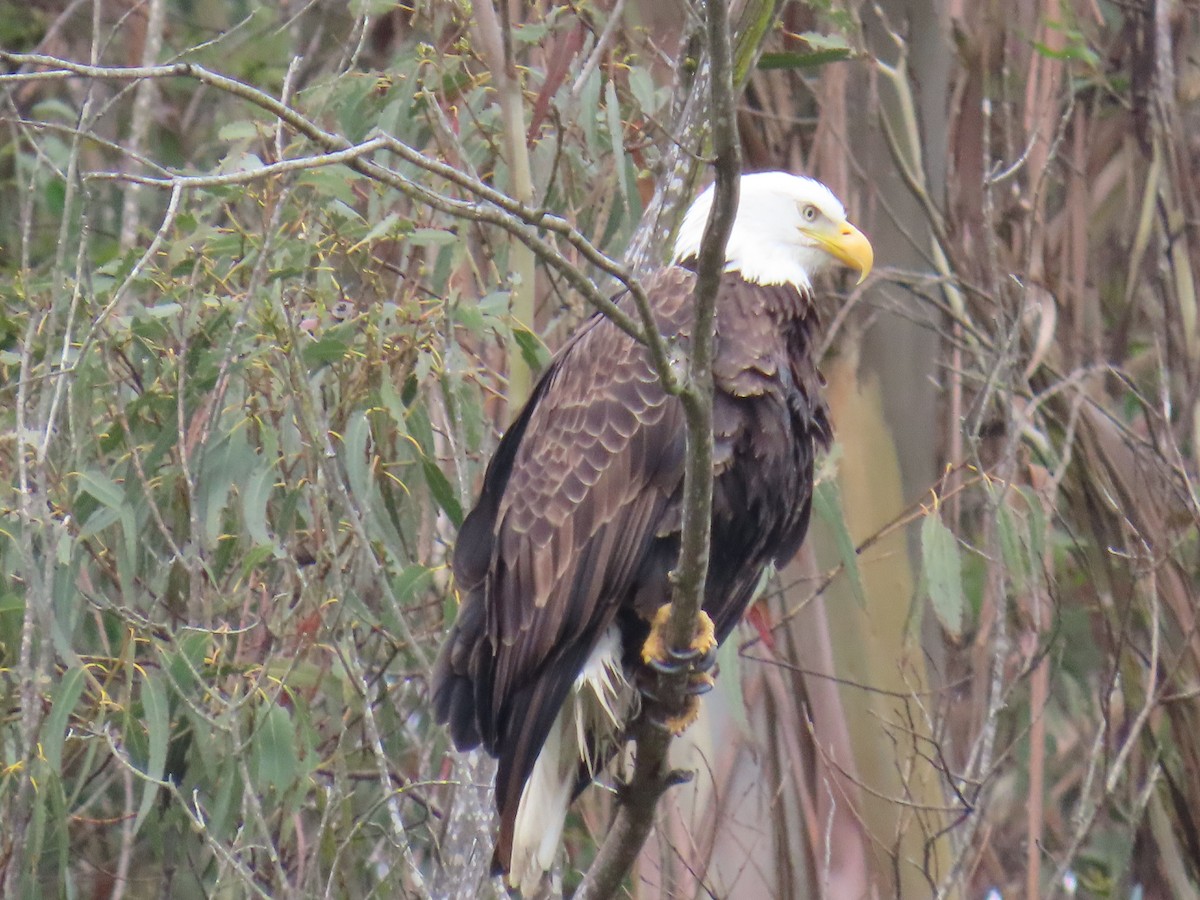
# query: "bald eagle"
[564,562]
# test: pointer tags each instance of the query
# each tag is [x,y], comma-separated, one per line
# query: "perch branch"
[651,774]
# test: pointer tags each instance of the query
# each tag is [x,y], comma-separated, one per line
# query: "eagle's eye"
[809,212]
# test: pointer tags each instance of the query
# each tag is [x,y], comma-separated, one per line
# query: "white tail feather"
[598,706]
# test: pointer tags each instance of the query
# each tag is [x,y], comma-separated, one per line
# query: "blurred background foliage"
[241,417]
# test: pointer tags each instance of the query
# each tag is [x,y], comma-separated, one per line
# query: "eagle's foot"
[698,683]
[699,656]
[696,660]
[681,721]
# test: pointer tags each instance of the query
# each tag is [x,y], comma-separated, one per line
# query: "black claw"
[698,687]
[671,666]
[690,659]
[677,777]
[659,721]
[647,684]
[705,661]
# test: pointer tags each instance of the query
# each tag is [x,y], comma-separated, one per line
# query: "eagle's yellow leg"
[658,654]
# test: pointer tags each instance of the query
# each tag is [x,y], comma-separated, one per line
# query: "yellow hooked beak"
[846,244]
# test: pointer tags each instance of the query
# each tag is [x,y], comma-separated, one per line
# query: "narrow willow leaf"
[943,573]
[156,714]
[830,41]
[383,228]
[431,237]
[161,311]
[275,761]
[228,788]
[1037,532]
[414,580]
[66,695]
[101,518]
[332,181]
[641,85]
[103,488]
[793,60]
[589,100]
[255,494]
[442,492]
[238,131]
[1012,545]
[356,440]
[827,501]
[329,348]
[533,351]
[615,134]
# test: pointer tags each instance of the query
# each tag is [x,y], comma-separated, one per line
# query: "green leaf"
[162,311]
[612,111]
[274,754]
[188,662]
[383,228]
[826,48]
[1012,547]
[255,494]
[357,459]
[336,182]
[1037,529]
[442,492]
[241,162]
[412,581]
[641,85]
[256,556]
[103,488]
[66,695]
[469,317]
[796,60]
[532,33]
[156,714]
[431,237]
[328,349]
[819,41]
[589,101]
[943,572]
[238,131]
[827,502]
[533,351]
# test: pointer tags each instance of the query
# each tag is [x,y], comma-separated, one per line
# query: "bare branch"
[651,776]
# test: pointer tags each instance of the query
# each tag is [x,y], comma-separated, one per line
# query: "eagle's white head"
[788,228]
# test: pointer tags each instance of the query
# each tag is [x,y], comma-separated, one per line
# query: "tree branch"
[518,219]
[651,775]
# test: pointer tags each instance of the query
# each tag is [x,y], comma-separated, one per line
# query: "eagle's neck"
[765,269]
[771,270]
[778,305]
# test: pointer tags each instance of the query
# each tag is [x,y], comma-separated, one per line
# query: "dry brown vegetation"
[265,303]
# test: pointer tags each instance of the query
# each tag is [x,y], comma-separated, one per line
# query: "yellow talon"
[658,654]
[706,634]
[682,722]
[656,647]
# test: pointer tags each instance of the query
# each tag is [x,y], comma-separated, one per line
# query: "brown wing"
[568,518]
